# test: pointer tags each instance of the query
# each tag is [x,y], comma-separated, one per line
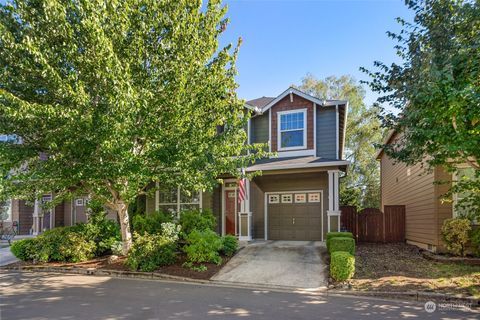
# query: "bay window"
[292,131]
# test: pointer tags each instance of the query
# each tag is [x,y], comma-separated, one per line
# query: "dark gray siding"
[259,128]
[326,133]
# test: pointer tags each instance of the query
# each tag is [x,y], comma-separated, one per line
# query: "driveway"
[293,264]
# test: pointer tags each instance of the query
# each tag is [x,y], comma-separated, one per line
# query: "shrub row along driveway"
[296,264]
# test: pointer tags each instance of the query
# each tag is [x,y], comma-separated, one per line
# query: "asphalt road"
[60,296]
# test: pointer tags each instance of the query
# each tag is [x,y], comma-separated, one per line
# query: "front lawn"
[401,267]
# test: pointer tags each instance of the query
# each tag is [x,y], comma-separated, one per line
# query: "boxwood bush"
[230,245]
[341,244]
[151,251]
[455,234]
[203,246]
[331,235]
[342,265]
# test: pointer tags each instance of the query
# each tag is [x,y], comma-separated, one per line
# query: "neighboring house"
[297,195]
[425,208]
[32,219]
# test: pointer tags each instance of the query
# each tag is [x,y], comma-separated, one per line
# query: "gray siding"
[259,128]
[326,133]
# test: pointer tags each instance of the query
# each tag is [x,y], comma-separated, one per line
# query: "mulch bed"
[401,267]
[101,263]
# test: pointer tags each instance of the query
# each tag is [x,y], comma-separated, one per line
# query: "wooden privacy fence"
[373,225]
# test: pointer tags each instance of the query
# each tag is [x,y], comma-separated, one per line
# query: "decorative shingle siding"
[326,132]
[285,105]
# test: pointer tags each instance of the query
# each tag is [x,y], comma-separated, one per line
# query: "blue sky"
[285,39]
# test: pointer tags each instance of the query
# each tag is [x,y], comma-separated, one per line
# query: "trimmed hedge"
[331,235]
[342,265]
[342,244]
[24,249]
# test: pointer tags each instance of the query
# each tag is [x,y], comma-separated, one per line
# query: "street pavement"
[61,296]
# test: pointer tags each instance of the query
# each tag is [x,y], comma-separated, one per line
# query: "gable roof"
[262,104]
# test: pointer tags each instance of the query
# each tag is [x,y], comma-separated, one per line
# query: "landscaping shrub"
[475,241]
[64,244]
[117,248]
[342,265]
[455,234]
[199,220]
[171,231]
[24,249]
[103,231]
[203,246]
[151,251]
[342,244]
[331,235]
[150,223]
[230,245]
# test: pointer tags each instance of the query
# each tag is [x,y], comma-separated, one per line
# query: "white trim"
[279,131]
[337,135]
[254,108]
[300,165]
[294,153]
[270,131]
[314,128]
[292,192]
[303,95]
[345,118]
[248,132]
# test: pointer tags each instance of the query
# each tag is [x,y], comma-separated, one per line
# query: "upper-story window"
[465,174]
[292,129]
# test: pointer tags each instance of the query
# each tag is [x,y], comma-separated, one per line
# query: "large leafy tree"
[107,96]
[435,90]
[361,186]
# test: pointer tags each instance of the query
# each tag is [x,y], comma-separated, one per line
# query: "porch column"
[245,216]
[36,218]
[333,212]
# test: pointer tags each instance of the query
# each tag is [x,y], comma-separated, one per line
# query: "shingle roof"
[294,162]
[260,102]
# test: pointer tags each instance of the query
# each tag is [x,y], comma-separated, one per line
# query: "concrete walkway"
[293,264]
[6,256]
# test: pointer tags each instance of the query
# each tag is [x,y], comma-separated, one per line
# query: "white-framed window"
[176,200]
[292,129]
[464,173]
[6,210]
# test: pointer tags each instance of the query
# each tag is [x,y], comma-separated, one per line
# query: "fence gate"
[373,225]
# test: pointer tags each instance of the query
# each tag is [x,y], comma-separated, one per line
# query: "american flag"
[242,192]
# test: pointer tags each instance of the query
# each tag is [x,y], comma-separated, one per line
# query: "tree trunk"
[122,211]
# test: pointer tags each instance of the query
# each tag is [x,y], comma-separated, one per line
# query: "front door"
[230,203]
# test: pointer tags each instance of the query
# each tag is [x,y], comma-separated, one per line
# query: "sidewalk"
[6,257]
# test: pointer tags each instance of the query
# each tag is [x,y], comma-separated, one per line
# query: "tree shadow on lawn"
[401,267]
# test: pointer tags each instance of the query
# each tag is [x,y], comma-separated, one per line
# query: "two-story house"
[297,195]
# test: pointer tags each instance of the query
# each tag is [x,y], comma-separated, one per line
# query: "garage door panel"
[307,218]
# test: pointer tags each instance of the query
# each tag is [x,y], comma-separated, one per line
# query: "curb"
[418,296]
[412,295]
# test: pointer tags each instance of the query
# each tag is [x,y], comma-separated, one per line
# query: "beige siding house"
[425,206]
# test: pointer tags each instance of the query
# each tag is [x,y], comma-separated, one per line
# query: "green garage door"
[294,216]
